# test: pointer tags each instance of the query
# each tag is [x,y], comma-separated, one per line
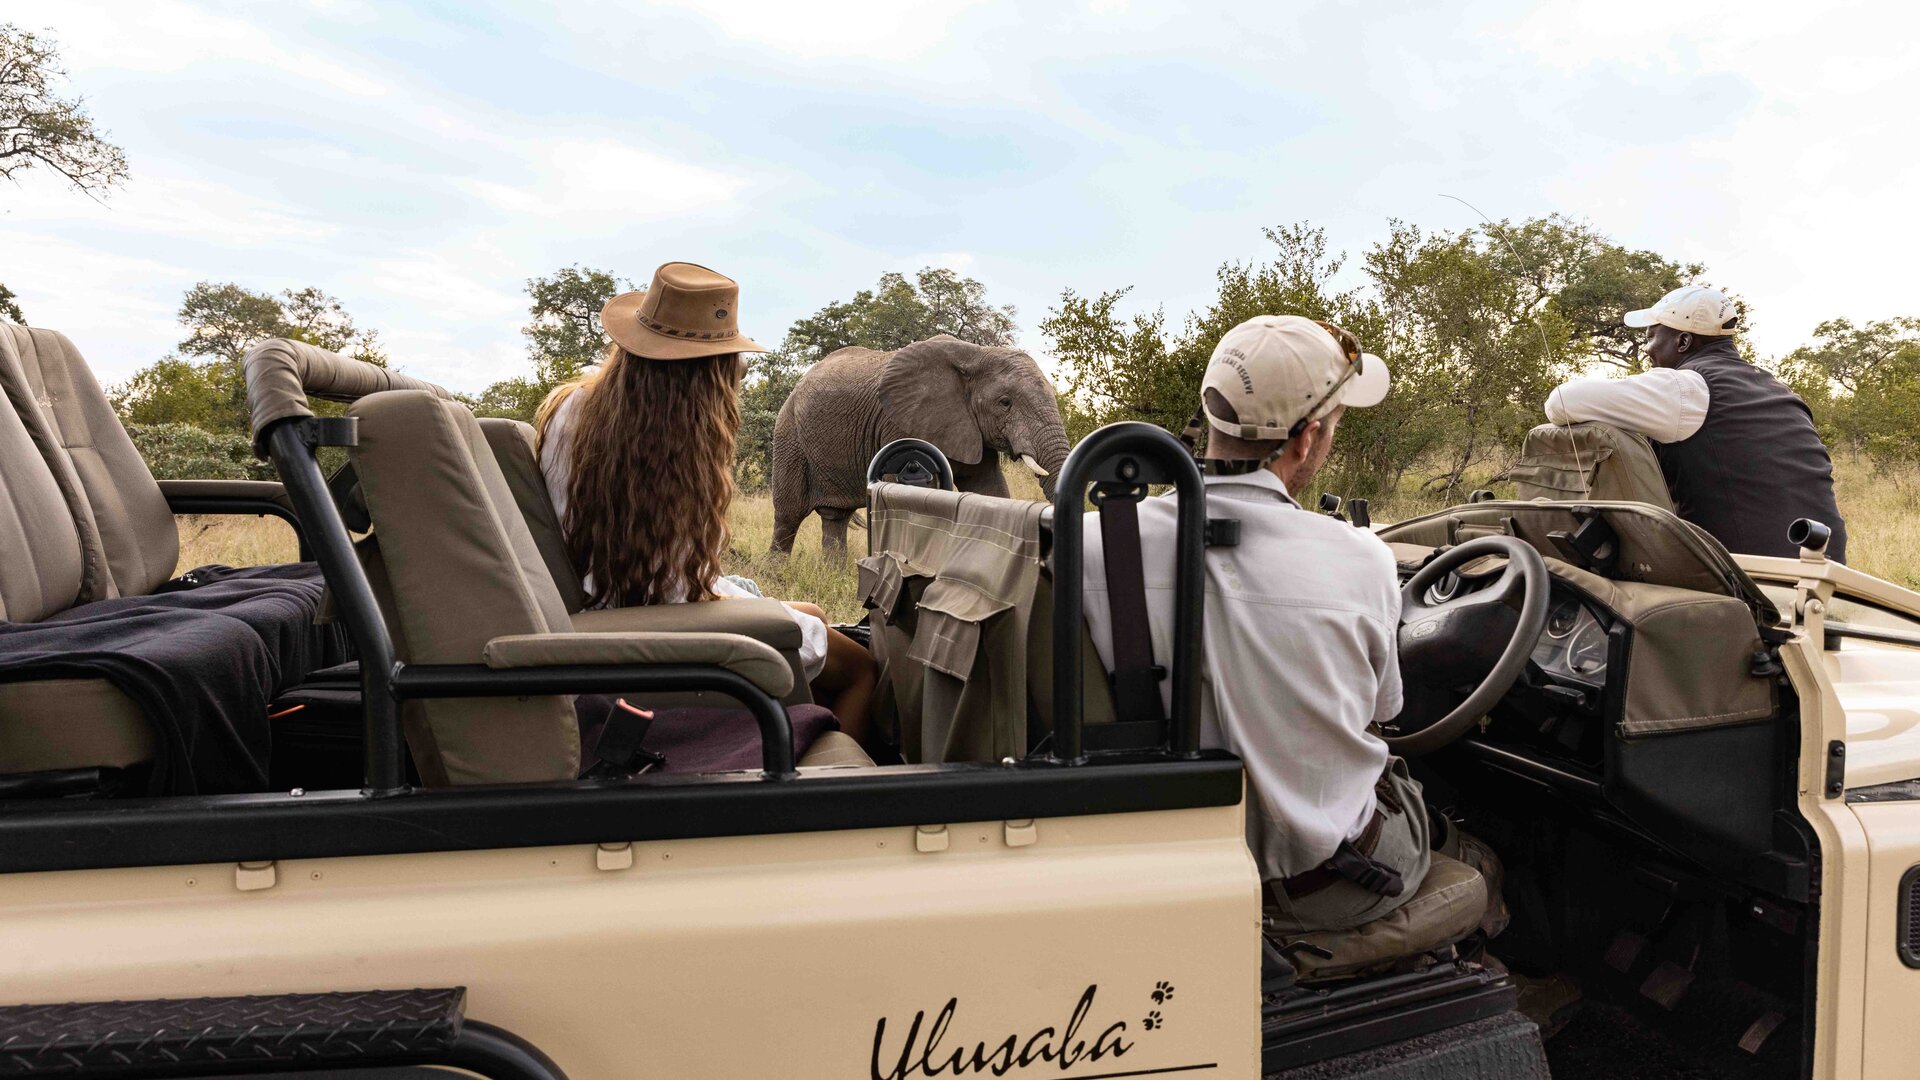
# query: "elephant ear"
[923,388]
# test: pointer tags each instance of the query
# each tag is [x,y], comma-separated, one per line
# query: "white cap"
[1691,309]
[1274,372]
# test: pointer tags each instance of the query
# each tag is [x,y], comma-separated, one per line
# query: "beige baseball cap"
[1273,374]
[1691,309]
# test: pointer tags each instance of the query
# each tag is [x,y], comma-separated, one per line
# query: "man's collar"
[1259,478]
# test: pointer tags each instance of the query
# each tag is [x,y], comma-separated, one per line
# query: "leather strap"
[1136,682]
[1308,882]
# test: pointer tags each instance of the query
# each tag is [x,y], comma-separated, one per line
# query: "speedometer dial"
[1587,651]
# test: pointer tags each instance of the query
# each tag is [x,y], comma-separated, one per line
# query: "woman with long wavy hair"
[638,458]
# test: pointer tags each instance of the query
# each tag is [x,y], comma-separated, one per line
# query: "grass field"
[1882,509]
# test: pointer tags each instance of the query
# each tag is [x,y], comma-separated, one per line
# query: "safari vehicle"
[1699,769]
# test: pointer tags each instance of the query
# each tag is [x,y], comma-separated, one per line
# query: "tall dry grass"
[1881,505]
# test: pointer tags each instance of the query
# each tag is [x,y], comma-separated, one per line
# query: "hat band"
[659,327]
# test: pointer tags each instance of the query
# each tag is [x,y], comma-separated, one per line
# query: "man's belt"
[1353,860]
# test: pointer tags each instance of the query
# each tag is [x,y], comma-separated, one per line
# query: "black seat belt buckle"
[619,754]
[1365,871]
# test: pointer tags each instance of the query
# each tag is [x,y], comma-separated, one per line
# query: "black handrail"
[1128,453]
[292,443]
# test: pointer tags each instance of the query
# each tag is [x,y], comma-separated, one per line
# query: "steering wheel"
[1487,635]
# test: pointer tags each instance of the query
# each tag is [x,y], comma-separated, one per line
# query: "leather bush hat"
[688,312]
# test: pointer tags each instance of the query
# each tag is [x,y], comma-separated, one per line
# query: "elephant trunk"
[1046,464]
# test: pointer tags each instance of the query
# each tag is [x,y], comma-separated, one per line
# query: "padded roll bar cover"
[755,661]
[282,374]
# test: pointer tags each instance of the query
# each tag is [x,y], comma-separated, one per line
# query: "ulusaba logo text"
[922,1053]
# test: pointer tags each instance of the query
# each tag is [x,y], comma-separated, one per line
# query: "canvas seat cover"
[951,584]
[1588,461]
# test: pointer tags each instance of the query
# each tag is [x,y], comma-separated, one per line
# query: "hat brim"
[1639,320]
[1369,386]
[619,319]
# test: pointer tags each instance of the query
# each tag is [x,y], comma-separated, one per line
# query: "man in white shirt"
[1739,449]
[1302,618]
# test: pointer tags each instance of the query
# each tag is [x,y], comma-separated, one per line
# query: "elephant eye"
[1006,403]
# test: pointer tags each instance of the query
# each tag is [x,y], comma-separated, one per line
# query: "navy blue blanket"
[202,658]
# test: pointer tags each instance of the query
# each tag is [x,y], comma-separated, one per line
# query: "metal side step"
[275,1033]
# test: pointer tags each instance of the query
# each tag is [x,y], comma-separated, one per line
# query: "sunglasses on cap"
[1350,348]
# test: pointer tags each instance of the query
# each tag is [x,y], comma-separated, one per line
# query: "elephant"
[974,402]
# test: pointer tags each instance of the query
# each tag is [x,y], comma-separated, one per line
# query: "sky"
[421,160]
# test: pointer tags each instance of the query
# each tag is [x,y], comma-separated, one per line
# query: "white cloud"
[876,29]
[603,180]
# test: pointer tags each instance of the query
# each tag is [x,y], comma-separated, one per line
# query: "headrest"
[283,374]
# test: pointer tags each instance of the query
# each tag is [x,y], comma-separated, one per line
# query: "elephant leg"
[833,532]
[789,497]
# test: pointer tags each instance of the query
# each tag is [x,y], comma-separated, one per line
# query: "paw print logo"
[1162,993]
[1153,1021]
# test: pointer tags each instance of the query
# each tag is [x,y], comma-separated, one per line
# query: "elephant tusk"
[1033,463]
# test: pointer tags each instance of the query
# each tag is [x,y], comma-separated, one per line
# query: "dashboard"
[1555,707]
[1574,644]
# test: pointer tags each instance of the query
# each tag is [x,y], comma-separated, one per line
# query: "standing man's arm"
[1666,405]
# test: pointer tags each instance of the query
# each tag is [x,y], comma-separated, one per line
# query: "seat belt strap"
[1136,681]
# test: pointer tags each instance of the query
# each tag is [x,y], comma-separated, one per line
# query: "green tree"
[1476,326]
[895,312]
[39,128]
[899,312]
[1863,385]
[204,384]
[564,339]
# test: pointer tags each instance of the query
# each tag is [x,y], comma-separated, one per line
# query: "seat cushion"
[70,724]
[1445,908]
[835,750]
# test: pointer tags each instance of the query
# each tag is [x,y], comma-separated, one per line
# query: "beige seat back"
[463,569]
[43,562]
[134,527]
[1580,462]
[513,450]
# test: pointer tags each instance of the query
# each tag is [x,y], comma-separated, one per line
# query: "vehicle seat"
[1589,461]
[469,584]
[90,523]
[1446,907]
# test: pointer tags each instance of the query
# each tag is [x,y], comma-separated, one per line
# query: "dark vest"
[1755,465]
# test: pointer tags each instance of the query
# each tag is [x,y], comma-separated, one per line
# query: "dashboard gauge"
[1563,618]
[1444,590]
[1587,651]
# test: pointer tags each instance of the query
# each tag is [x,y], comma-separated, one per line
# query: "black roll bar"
[292,444]
[917,463]
[1128,455]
